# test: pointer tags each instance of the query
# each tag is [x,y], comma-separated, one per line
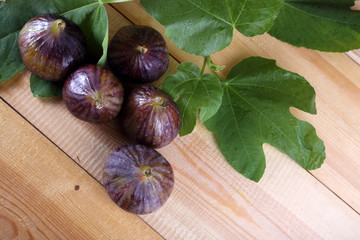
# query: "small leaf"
[215,68]
[193,91]
[42,88]
[204,27]
[326,25]
[255,110]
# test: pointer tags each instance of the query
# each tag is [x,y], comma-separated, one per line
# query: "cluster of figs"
[137,177]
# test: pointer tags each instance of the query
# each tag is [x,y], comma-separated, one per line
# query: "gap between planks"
[333,192]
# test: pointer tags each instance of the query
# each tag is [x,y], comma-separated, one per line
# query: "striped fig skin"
[150,117]
[51,46]
[138,178]
[93,94]
[138,54]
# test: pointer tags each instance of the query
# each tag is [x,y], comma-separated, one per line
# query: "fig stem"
[62,25]
[58,26]
[148,172]
[204,65]
[99,104]
[141,49]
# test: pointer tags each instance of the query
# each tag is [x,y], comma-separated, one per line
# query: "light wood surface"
[45,195]
[210,199]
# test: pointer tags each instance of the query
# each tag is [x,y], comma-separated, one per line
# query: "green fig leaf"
[255,110]
[42,88]
[10,61]
[204,27]
[326,25]
[193,92]
[93,21]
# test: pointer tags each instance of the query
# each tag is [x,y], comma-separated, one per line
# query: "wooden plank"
[45,195]
[336,80]
[210,200]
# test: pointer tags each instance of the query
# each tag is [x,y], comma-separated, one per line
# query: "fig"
[51,46]
[93,94]
[150,117]
[138,178]
[138,54]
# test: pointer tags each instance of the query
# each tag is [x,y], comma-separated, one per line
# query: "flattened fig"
[138,178]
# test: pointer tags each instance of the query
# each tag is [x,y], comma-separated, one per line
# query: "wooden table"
[51,163]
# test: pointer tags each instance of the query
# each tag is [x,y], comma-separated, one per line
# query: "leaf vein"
[75,9]
[8,34]
[228,8]
[317,16]
[271,88]
[207,12]
[183,82]
[96,15]
[241,11]
[268,119]
[187,103]
[207,93]
[238,128]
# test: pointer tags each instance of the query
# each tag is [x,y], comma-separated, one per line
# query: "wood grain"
[210,199]
[45,195]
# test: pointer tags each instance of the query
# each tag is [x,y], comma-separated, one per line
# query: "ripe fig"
[138,178]
[138,54]
[93,94]
[150,117]
[51,46]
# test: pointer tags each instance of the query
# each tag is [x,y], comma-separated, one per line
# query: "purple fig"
[138,178]
[51,46]
[93,94]
[138,54]
[150,117]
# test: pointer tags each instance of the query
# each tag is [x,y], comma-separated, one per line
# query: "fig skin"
[51,46]
[138,54]
[150,117]
[93,94]
[138,179]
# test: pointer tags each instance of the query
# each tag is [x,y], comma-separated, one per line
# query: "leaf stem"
[204,64]
[214,68]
